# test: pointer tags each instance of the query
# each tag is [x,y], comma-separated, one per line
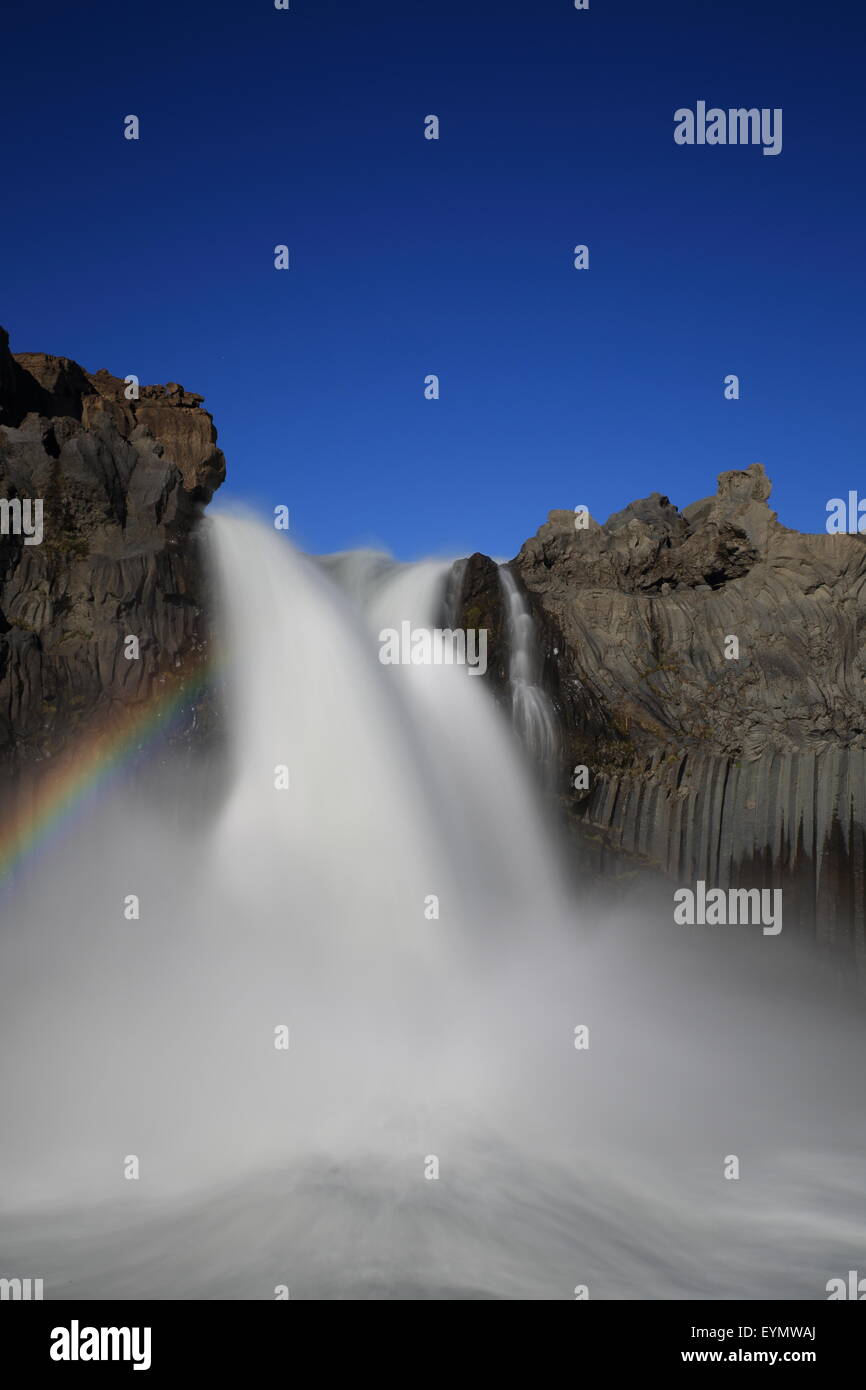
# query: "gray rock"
[123,486]
[747,772]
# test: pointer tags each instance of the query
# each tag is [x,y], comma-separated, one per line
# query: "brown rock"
[123,485]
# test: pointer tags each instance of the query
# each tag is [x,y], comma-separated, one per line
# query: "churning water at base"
[400,910]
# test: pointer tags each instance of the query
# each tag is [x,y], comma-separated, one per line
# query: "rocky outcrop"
[708,667]
[122,484]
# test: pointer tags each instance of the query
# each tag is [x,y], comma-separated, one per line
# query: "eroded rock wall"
[745,771]
[123,484]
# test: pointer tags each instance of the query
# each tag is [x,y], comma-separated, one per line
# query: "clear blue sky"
[454,257]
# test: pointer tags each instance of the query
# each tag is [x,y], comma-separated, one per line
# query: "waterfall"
[340,1036]
[403,767]
[531,708]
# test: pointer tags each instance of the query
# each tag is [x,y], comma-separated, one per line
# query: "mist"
[378,873]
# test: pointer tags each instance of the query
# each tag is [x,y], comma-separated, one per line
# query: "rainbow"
[75,780]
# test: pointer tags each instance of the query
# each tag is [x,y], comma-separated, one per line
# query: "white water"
[532,711]
[410,1037]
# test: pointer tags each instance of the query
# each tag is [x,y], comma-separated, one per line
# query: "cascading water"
[380,883]
[531,709]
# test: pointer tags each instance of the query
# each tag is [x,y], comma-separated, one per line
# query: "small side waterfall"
[531,709]
[453,590]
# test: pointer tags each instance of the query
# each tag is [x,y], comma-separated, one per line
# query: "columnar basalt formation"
[123,483]
[747,769]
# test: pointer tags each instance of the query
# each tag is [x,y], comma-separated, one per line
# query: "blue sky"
[454,257]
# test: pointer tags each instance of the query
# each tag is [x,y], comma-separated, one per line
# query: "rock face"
[746,770]
[123,484]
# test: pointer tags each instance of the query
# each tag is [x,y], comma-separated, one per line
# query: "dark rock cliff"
[746,770]
[122,484]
